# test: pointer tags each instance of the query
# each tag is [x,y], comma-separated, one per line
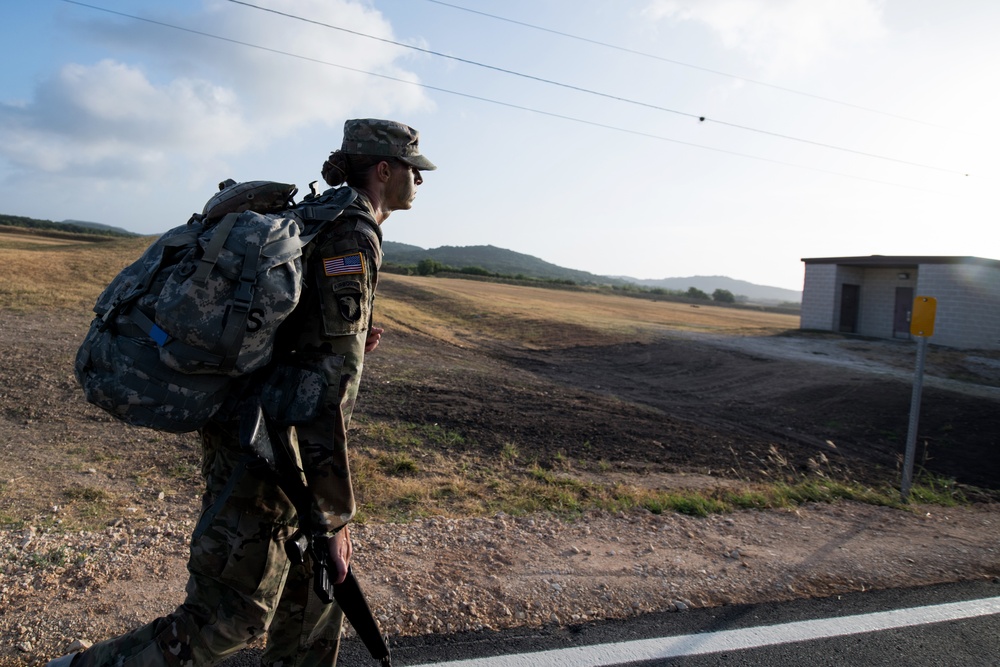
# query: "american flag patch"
[343,265]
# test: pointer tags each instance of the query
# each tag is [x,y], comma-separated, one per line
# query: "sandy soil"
[683,410]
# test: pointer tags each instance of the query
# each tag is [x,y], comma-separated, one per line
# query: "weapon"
[259,435]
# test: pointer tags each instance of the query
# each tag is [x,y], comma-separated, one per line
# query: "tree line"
[61,227]
[431,267]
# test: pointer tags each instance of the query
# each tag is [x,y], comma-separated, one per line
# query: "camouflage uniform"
[241,582]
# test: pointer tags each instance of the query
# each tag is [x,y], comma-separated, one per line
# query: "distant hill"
[402,249]
[492,259]
[510,263]
[100,227]
[65,227]
[756,293]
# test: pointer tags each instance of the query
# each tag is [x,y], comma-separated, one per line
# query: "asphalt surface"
[970,642]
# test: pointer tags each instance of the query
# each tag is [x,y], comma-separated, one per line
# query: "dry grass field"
[483,396]
[40,273]
[8,239]
[491,407]
[434,326]
[553,318]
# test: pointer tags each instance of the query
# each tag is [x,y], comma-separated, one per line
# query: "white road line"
[604,655]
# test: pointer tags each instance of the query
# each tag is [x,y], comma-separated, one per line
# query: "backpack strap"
[211,256]
[231,340]
[366,230]
[328,206]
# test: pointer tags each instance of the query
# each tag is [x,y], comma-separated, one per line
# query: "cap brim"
[420,162]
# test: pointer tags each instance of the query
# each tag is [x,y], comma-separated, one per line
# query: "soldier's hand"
[374,336]
[340,555]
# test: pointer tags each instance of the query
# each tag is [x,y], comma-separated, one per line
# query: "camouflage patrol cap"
[371,136]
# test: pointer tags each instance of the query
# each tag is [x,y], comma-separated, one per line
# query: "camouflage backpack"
[201,306]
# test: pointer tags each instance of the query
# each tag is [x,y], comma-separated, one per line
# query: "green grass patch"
[509,454]
[56,557]
[87,493]
[408,435]
[453,489]
[183,470]
[540,474]
[935,490]
[822,490]
[392,486]
[397,464]
[403,471]
[750,499]
[85,508]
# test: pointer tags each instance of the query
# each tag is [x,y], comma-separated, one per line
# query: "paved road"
[900,628]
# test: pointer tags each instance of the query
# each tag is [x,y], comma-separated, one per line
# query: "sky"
[642,138]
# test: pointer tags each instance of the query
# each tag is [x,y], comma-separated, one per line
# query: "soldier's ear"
[384,170]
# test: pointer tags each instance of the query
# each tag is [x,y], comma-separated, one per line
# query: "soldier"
[241,581]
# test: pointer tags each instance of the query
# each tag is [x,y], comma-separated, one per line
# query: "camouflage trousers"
[241,583]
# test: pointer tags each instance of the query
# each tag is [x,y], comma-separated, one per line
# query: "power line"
[589,91]
[486,99]
[652,56]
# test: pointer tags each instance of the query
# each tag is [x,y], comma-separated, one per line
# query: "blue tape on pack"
[158,335]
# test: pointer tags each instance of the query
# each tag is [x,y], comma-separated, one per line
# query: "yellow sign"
[922,320]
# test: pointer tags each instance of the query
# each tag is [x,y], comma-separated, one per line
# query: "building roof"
[900,261]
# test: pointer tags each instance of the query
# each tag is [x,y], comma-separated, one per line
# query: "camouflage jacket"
[327,333]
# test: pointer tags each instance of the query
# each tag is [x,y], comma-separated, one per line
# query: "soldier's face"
[401,188]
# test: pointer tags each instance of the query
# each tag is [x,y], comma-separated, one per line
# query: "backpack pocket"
[125,377]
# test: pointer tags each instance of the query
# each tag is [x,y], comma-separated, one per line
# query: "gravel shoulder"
[451,575]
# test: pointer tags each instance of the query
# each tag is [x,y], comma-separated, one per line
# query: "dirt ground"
[681,410]
[705,403]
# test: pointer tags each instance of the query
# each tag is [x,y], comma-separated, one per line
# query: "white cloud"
[780,35]
[293,92]
[164,101]
[89,117]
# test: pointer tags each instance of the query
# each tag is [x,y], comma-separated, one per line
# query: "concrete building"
[873,296]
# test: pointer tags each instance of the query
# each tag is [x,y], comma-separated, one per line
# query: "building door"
[902,312]
[850,306]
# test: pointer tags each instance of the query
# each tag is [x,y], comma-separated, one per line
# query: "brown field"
[552,318]
[11,235]
[535,403]
[9,239]
[70,276]
[592,385]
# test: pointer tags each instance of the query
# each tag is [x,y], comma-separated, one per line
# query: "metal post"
[911,435]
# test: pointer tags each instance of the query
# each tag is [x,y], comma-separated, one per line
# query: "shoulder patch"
[344,265]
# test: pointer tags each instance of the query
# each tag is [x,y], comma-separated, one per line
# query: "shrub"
[427,267]
[723,296]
